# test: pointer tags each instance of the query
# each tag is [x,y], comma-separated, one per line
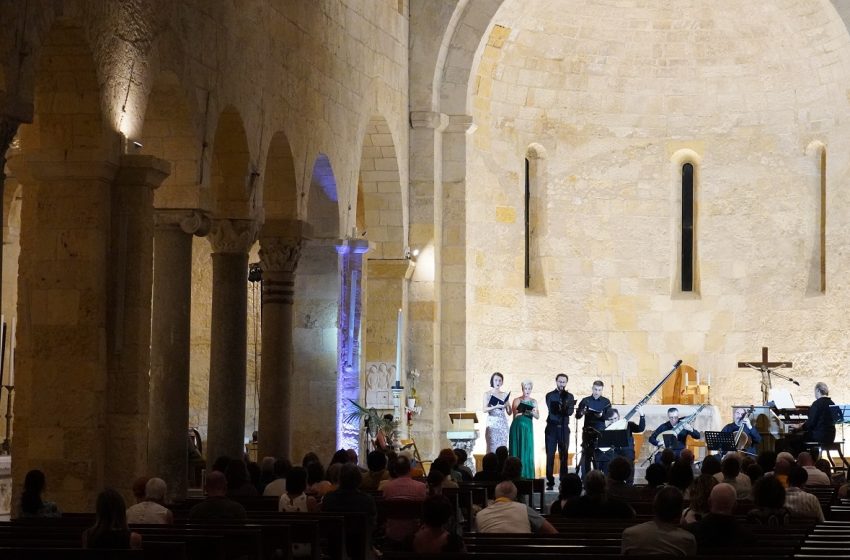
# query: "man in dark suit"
[593,408]
[560,403]
[820,426]
[681,437]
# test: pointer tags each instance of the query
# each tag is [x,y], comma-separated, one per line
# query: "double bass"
[742,439]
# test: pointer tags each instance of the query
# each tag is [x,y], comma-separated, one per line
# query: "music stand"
[724,442]
[613,438]
[670,441]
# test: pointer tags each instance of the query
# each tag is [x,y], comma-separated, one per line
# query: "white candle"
[12,353]
[398,351]
[697,371]
[709,378]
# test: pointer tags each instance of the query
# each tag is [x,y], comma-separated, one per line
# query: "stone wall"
[608,102]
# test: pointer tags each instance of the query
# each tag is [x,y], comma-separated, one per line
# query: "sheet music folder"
[496,401]
[720,441]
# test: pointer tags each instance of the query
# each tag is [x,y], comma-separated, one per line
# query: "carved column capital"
[193,222]
[428,119]
[229,235]
[280,254]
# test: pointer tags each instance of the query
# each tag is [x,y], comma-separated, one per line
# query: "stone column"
[350,253]
[280,249]
[231,239]
[129,316]
[170,339]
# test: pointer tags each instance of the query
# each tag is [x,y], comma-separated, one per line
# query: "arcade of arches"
[458,186]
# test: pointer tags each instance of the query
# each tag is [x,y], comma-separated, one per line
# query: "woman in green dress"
[521,441]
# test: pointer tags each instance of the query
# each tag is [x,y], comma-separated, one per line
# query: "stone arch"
[231,180]
[459,54]
[323,200]
[66,166]
[379,186]
[169,132]
[280,191]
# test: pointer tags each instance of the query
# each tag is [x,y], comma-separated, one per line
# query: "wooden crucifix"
[766,368]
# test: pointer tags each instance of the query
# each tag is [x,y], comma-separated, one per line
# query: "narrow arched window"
[823,219]
[687,279]
[527,214]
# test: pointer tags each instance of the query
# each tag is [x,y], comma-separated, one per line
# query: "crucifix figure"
[766,369]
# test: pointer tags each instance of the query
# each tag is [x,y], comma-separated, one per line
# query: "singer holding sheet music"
[560,403]
[593,409]
[521,440]
[498,410]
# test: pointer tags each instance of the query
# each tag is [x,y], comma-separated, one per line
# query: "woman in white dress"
[498,410]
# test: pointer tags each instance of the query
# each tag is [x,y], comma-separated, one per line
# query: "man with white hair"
[506,515]
[151,511]
[719,528]
[820,426]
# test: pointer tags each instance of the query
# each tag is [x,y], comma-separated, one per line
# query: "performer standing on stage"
[521,439]
[683,432]
[593,409]
[498,410]
[741,419]
[560,403]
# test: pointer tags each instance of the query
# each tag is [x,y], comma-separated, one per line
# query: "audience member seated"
[433,536]
[448,455]
[502,455]
[619,473]
[489,469]
[310,457]
[460,465]
[152,510]
[416,470]
[754,473]
[348,498]
[661,535]
[816,476]
[317,484]
[668,457]
[681,476]
[823,466]
[769,501]
[699,492]
[277,486]
[266,473]
[766,460]
[139,488]
[719,529]
[31,503]
[800,503]
[295,498]
[377,463]
[781,469]
[656,478]
[710,465]
[110,528]
[569,491]
[730,473]
[238,481]
[595,503]
[440,464]
[506,515]
[403,487]
[254,475]
[217,506]
[687,456]
[221,463]
[355,460]
[512,470]
[434,483]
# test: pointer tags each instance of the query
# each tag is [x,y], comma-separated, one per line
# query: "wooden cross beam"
[765,363]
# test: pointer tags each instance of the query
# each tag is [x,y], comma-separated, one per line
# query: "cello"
[742,439]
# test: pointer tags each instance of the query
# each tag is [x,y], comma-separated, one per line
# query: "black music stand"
[612,438]
[724,442]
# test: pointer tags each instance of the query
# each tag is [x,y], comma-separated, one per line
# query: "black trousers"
[557,438]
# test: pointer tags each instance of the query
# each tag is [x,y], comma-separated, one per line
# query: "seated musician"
[670,426]
[741,420]
[612,415]
[819,428]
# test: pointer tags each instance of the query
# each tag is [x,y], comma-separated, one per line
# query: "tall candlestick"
[12,353]
[2,348]
[398,351]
